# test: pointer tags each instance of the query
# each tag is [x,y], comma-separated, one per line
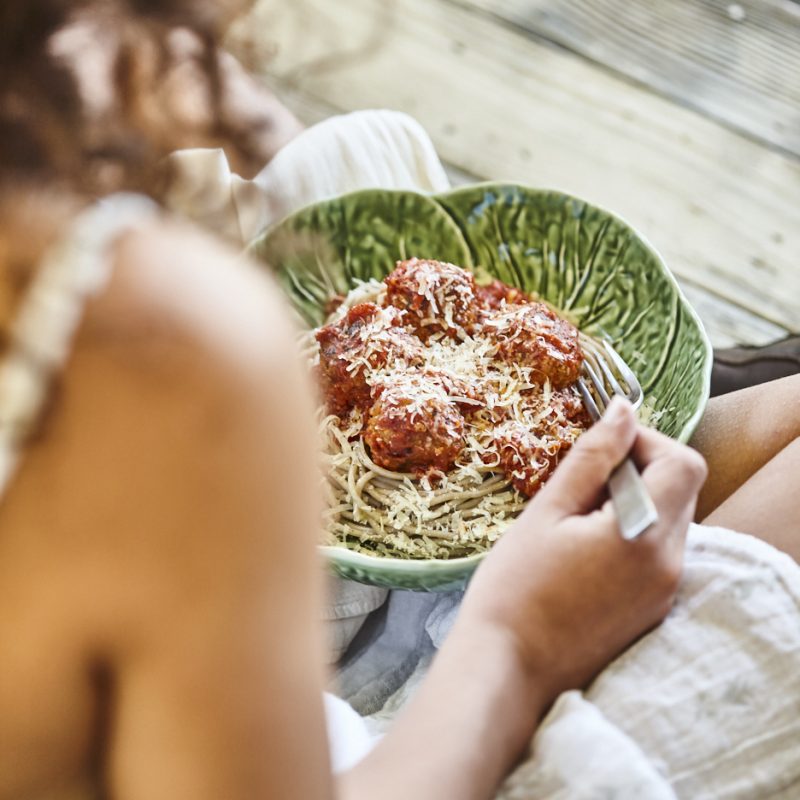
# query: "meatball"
[498,294]
[414,431]
[366,338]
[569,410]
[528,459]
[438,297]
[534,336]
[528,452]
[523,459]
[468,395]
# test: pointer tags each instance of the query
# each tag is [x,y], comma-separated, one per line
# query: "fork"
[606,374]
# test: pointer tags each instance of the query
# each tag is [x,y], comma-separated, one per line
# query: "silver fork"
[606,374]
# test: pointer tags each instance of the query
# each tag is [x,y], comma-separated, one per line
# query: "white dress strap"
[41,333]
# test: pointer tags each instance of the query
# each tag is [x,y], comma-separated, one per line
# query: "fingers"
[673,474]
[579,482]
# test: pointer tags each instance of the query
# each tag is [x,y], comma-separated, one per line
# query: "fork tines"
[606,374]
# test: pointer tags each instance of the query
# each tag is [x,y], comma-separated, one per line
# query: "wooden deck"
[683,116]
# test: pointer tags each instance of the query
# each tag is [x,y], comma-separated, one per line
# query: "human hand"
[562,584]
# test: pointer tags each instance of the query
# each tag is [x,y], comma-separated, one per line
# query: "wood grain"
[722,209]
[726,324]
[737,62]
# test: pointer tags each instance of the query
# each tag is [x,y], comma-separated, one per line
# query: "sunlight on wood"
[722,208]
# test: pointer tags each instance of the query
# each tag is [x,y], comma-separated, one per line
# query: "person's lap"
[751,441]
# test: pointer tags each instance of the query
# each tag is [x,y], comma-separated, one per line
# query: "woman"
[159,595]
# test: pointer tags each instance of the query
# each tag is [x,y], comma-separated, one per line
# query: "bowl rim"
[400,566]
[691,424]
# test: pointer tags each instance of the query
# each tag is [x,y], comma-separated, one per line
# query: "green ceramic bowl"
[583,260]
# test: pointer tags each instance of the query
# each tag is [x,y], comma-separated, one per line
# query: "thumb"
[577,485]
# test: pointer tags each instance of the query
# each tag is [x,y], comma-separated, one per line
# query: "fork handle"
[635,509]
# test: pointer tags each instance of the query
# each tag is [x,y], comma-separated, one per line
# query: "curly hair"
[46,134]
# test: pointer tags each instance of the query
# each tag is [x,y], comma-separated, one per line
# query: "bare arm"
[557,599]
[472,718]
[196,482]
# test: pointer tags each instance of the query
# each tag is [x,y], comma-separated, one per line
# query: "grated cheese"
[438,515]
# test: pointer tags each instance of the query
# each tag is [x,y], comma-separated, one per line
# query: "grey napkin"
[394,645]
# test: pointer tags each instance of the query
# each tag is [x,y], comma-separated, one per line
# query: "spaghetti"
[447,405]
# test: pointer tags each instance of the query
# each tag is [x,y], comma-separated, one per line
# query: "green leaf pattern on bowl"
[583,260]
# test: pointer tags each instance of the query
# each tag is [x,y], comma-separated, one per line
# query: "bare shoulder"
[181,449]
[162,526]
[174,285]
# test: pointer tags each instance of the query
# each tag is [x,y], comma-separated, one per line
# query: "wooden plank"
[723,210]
[737,62]
[727,325]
